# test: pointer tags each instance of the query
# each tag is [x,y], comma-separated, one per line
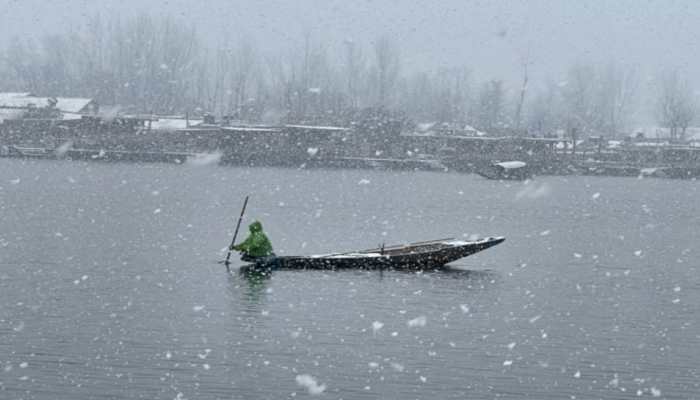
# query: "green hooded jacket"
[256,244]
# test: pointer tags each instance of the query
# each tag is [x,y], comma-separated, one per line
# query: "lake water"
[110,287]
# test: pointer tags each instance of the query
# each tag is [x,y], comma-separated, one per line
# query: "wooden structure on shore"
[28,130]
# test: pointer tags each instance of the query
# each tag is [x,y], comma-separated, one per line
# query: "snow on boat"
[414,256]
[507,170]
[511,164]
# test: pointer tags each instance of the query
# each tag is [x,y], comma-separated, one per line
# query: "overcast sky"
[489,36]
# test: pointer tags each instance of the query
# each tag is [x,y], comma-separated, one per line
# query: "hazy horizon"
[491,38]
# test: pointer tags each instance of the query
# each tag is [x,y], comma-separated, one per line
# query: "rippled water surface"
[109,286]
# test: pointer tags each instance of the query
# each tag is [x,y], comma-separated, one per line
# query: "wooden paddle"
[233,241]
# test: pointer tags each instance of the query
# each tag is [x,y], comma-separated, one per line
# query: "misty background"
[541,66]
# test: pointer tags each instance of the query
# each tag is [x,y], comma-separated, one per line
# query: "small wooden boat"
[414,256]
[507,170]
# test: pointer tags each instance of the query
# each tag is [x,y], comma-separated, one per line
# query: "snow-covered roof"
[71,116]
[511,164]
[540,139]
[318,128]
[72,104]
[11,95]
[446,129]
[651,144]
[691,132]
[65,104]
[23,101]
[172,124]
[477,132]
[424,126]
[249,129]
[477,138]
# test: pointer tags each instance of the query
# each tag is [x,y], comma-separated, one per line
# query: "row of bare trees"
[144,63]
[161,65]
[591,100]
[677,105]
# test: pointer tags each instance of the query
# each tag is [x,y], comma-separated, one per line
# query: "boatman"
[256,245]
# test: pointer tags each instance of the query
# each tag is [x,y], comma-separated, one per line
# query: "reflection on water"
[591,296]
[255,283]
[475,275]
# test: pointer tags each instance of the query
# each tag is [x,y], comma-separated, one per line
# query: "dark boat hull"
[432,255]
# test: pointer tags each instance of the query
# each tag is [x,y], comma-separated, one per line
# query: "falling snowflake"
[309,382]
[417,322]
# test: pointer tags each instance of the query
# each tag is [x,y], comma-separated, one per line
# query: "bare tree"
[387,65]
[615,99]
[450,87]
[523,91]
[676,104]
[544,110]
[490,111]
[23,61]
[239,77]
[158,64]
[354,67]
[578,94]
